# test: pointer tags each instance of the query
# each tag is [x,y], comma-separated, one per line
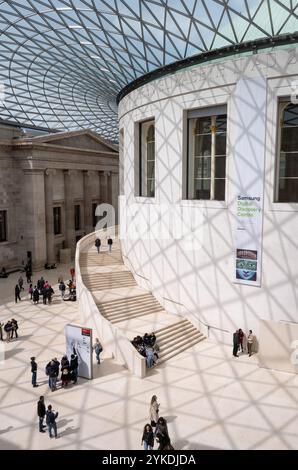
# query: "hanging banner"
[250,122]
[79,341]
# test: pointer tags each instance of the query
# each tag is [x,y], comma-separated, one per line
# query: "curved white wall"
[200,283]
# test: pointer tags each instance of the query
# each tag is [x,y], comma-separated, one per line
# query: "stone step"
[175,333]
[181,349]
[171,327]
[128,315]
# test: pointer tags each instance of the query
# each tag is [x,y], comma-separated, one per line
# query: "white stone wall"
[200,283]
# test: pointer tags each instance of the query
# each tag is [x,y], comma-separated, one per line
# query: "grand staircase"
[122,302]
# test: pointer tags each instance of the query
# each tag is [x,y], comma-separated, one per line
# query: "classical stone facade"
[50,186]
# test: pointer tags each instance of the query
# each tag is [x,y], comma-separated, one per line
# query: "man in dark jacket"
[15,327]
[97,244]
[41,412]
[110,243]
[235,343]
[17,291]
[51,421]
[34,372]
[74,368]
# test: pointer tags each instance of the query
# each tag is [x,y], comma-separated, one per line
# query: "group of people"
[50,416]
[69,371]
[147,347]
[98,244]
[240,340]
[71,290]
[11,329]
[157,430]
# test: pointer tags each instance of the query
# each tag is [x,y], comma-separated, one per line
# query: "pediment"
[77,139]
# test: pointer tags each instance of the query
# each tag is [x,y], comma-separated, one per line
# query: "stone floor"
[210,399]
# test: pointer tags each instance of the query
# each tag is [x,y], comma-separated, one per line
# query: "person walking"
[20,283]
[250,340]
[97,349]
[30,291]
[235,343]
[110,243]
[34,371]
[41,412]
[148,437]
[14,328]
[162,435]
[97,244]
[62,288]
[17,293]
[51,417]
[154,411]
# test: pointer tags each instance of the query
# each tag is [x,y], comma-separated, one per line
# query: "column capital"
[89,173]
[70,172]
[50,172]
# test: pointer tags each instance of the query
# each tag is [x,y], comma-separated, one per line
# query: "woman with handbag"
[162,435]
[154,410]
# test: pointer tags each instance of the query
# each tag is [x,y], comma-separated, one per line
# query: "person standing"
[1,331]
[148,437]
[52,371]
[97,349]
[35,295]
[51,417]
[235,343]
[41,412]
[250,340]
[15,327]
[97,244]
[154,411]
[110,243]
[8,330]
[34,371]
[240,339]
[17,293]
[74,365]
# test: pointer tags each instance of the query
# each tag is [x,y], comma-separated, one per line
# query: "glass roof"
[63,62]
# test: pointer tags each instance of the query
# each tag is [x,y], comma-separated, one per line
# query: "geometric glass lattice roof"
[63,62]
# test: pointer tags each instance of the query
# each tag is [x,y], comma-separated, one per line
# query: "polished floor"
[210,399]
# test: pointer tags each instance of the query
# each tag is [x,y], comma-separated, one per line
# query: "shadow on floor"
[68,431]
[13,352]
[6,445]
[106,367]
[4,431]
[187,445]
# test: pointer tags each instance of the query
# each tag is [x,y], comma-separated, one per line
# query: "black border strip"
[227,51]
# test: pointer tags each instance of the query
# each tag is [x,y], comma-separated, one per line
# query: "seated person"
[149,356]
[147,339]
[152,339]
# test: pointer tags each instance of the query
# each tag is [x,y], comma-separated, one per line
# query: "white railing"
[112,338]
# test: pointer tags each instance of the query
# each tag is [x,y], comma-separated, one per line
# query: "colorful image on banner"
[246,265]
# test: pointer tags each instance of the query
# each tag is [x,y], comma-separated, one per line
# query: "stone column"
[89,177]
[115,194]
[70,237]
[33,217]
[51,256]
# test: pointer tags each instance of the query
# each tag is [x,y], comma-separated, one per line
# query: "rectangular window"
[206,162]
[287,167]
[3,226]
[147,159]
[77,216]
[57,220]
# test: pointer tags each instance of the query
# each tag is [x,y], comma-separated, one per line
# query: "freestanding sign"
[250,121]
[79,341]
